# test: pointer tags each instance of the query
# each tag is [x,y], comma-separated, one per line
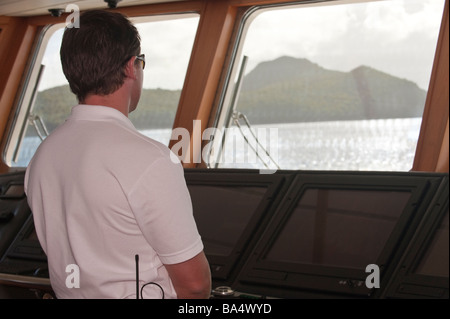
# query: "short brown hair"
[94,55]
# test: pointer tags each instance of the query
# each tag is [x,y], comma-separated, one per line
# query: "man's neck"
[113,100]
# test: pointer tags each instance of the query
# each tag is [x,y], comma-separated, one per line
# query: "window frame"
[209,62]
[421,162]
[25,101]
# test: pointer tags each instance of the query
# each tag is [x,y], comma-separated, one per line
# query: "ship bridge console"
[291,234]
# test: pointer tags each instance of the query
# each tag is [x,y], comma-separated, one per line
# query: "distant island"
[285,90]
[296,90]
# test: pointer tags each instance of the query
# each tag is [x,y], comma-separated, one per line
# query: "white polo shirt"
[100,193]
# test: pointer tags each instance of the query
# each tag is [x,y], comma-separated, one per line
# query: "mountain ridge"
[284,90]
[307,92]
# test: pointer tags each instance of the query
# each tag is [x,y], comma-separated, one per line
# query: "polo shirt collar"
[100,113]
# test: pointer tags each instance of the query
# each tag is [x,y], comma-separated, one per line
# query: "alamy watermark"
[373,280]
[230,146]
[73,19]
[73,277]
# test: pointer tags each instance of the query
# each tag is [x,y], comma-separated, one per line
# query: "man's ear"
[130,68]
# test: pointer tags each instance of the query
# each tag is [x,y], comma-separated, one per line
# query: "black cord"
[136,258]
[152,283]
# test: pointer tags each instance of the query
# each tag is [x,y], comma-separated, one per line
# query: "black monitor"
[423,270]
[229,209]
[330,227]
[25,256]
[13,208]
[26,245]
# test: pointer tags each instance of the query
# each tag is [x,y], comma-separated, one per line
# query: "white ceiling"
[40,7]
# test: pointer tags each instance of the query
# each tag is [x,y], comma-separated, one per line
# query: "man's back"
[100,194]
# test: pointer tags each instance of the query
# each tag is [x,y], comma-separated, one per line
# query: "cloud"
[398,37]
[167,46]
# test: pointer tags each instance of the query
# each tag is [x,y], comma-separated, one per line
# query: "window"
[167,53]
[329,85]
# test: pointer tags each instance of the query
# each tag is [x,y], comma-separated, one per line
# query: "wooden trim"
[131,11]
[25,281]
[436,114]
[249,3]
[16,41]
[442,162]
[216,25]
[218,20]
[18,35]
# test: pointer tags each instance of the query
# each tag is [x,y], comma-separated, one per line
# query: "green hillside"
[283,90]
[156,108]
[296,90]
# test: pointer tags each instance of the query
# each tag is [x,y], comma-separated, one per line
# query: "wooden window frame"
[207,69]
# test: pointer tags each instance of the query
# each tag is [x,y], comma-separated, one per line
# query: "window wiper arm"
[229,120]
[36,121]
[29,109]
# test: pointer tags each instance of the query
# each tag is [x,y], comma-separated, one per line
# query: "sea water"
[367,145]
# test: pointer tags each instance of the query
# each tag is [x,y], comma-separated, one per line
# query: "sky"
[394,36]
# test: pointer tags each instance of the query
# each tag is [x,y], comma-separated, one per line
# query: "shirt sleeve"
[162,205]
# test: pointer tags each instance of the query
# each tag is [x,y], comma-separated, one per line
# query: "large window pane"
[342,85]
[167,56]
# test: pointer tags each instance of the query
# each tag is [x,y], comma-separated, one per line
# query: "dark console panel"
[14,210]
[293,234]
[21,253]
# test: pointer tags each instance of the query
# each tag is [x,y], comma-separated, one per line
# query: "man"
[102,193]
